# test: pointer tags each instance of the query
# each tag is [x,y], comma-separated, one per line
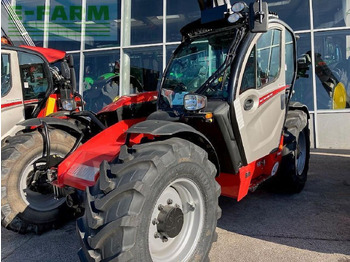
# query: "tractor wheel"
[159,203]
[25,206]
[292,175]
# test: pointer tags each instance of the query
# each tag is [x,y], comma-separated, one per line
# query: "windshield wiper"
[228,60]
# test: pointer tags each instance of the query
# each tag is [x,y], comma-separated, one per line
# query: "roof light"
[234,17]
[239,10]
[239,7]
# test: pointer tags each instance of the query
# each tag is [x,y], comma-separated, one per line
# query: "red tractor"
[222,123]
[33,86]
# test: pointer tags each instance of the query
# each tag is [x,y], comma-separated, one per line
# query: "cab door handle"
[248,104]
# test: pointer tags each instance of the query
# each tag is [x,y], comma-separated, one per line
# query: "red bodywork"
[81,169]
[51,55]
[86,160]
[250,176]
[130,99]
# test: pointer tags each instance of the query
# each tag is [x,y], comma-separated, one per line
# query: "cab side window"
[33,75]
[5,74]
[289,67]
[264,62]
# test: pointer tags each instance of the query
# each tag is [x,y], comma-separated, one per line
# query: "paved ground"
[312,226]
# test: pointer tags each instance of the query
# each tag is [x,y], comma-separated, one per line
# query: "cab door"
[12,108]
[260,103]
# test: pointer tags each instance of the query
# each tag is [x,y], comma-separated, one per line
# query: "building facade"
[124,45]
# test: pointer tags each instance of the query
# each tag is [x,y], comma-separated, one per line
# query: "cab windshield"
[196,64]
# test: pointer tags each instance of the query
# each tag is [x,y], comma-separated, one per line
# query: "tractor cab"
[32,86]
[231,79]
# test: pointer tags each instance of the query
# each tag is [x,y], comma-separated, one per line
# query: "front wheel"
[27,203]
[159,204]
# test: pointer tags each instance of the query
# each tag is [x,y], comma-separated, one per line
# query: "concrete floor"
[312,226]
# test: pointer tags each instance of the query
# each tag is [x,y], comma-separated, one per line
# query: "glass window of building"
[64,26]
[31,14]
[303,85]
[145,68]
[332,68]
[103,20]
[146,22]
[331,13]
[101,79]
[179,13]
[294,12]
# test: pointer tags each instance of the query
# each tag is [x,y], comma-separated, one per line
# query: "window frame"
[46,72]
[254,48]
[280,60]
[10,67]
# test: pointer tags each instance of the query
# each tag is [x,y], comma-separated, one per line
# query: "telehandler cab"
[33,86]
[224,123]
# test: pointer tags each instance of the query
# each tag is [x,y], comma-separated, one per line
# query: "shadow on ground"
[317,219]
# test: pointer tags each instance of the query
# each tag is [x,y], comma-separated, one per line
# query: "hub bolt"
[160,207]
[155,221]
[190,207]
[170,201]
[165,239]
[156,235]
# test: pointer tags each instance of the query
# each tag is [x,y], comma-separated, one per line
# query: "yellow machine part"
[339,96]
[50,106]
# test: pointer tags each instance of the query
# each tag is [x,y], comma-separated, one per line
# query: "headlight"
[194,102]
[68,104]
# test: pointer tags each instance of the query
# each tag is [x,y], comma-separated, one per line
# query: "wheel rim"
[301,153]
[184,194]
[36,200]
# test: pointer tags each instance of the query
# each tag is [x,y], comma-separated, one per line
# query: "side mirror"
[303,64]
[65,70]
[70,60]
[194,102]
[258,17]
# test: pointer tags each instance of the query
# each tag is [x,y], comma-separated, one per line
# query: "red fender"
[81,168]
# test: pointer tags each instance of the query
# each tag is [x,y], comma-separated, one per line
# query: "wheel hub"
[170,221]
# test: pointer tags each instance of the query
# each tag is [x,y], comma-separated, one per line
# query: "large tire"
[292,175]
[125,216]
[22,209]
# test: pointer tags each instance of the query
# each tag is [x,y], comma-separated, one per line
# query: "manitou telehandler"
[222,123]
[32,86]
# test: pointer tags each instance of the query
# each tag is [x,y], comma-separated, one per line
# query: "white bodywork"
[12,107]
[261,125]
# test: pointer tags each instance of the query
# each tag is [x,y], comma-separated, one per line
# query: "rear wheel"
[292,175]
[159,204]
[28,206]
